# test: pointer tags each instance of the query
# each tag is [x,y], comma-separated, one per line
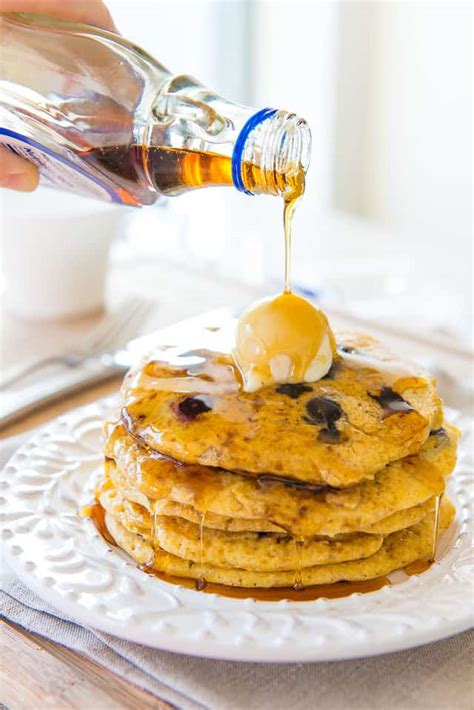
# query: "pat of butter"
[283,339]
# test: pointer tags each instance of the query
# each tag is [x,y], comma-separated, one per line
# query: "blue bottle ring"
[239,146]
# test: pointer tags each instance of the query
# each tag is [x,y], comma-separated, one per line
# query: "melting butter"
[283,339]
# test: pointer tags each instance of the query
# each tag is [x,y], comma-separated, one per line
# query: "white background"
[385,228]
[386,88]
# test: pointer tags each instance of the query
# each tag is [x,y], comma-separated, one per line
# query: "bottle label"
[57,171]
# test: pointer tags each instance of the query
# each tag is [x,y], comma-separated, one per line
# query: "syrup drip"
[291,186]
[201,581]
[299,544]
[153,517]
[420,566]
[288,212]
[436,527]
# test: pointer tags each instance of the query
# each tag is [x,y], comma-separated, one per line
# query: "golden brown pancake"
[368,411]
[398,550]
[147,478]
[246,550]
[295,484]
[392,523]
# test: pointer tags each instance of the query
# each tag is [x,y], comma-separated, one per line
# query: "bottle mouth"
[272,153]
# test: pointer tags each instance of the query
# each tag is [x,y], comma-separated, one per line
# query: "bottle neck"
[271,154]
[216,142]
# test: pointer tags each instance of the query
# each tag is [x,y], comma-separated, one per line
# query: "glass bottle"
[102,117]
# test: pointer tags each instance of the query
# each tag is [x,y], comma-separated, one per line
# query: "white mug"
[55,249]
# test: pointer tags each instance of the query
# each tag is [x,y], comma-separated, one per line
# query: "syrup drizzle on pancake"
[420,566]
[201,581]
[436,527]
[299,544]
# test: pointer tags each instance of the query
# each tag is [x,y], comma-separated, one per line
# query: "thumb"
[17,173]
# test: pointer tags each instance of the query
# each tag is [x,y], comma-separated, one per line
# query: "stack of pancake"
[295,484]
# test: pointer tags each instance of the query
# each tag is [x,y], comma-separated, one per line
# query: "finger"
[91,12]
[17,173]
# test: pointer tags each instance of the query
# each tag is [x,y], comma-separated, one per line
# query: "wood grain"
[37,673]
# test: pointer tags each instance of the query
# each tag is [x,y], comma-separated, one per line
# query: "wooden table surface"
[37,673]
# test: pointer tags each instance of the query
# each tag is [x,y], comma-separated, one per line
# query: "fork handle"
[62,384]
[68,360]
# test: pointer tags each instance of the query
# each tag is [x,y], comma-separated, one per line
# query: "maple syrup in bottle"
[102,117]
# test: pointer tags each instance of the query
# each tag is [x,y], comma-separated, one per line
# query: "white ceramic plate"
[65,561]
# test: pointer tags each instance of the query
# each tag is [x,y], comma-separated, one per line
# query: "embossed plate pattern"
[64,560]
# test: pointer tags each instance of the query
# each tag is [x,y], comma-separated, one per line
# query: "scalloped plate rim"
[227,652]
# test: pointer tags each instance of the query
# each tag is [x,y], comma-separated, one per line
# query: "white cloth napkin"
[438,675]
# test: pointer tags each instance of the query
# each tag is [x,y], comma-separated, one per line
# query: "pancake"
[402,519]
[292,485]
[396,521]
[398,550]
[246,550]
[147,478]
[132,516]
[138,516]
[214,521]
[257,551]
[368,411]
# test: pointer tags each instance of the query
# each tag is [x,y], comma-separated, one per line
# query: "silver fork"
[110,335]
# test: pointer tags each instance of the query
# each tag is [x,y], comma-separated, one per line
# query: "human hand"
[17,173]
